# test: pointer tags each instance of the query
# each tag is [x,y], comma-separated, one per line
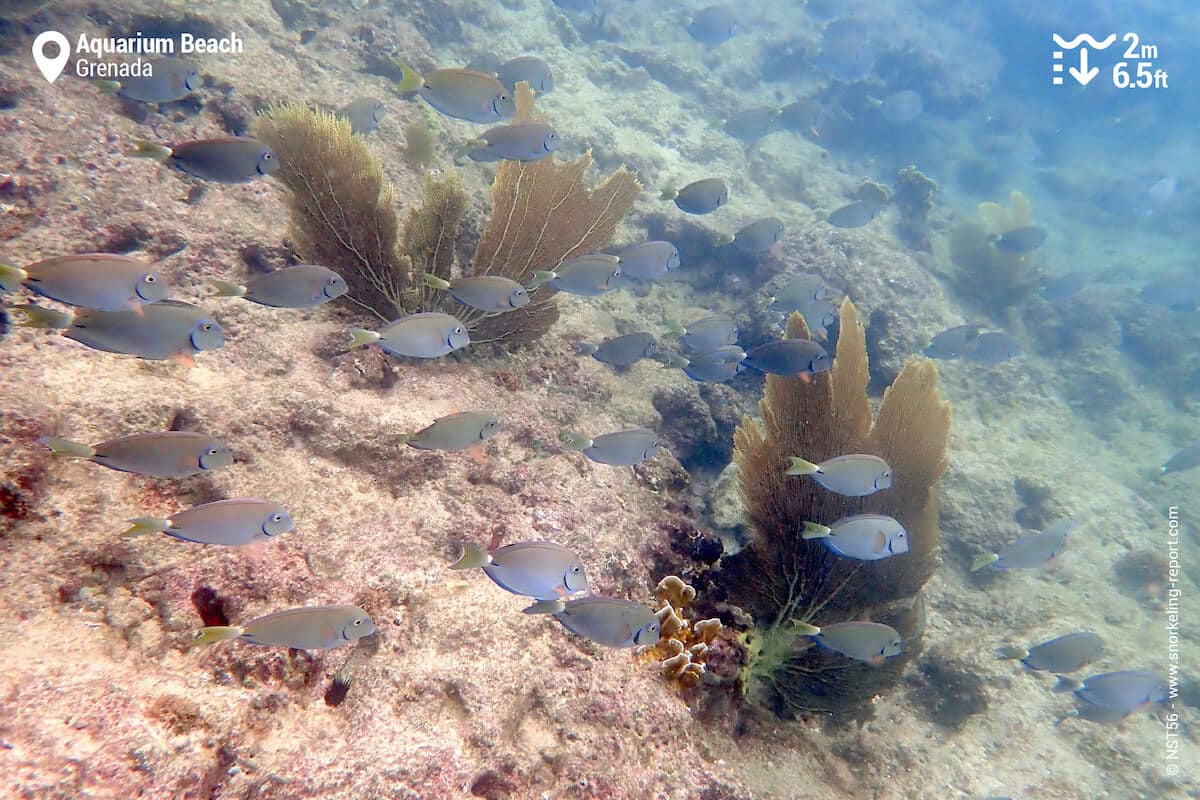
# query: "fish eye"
[277,517]
[212,451]
[208,326]
[576,569]
[330,281]
[150,279]
[358,622]
[459,330]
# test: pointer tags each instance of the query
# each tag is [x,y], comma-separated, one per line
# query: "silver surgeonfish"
[648,261]
[756,237]
[993,348]
[301,286]
[708,333]
[162,454]
[364,115]
[305,628]
[805,288]
[856,475]
[620,449]
[1112,696]
[494,294]
[713,24]
[866,537]
[753,123]
[622,351]
[587,276]
[233,159]
[953,342]
[699,197]
[168,329]
[429,334]
[520,141]
[789,357]
[530,69]
[466,430]
[461,93]
[244,520]
[1186,459]
[854,215]
[609,621]
[871,642]
[1029,551]
[1064,654]
[541,570]
[170,79]
[100,281]
[714,366]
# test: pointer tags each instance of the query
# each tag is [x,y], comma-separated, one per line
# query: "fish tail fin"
[410,79]
[434,282]
[461,154]
[11,277]
[804,629]
[545,607]
[144,525]
[573,441]
[362,336]
[31,316]
[146,149]
[65,448]
[982,561]
[107,87]
[226,289]
[812,530]
[216,633]
[541,277]
[473,556]
[1066,684]
[799,466]
[1010,652]
[722,239]
[674,361]
[584,349]
[668,193]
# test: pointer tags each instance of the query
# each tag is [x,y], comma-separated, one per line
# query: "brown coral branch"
[542,213]
[341,207]
[782,576]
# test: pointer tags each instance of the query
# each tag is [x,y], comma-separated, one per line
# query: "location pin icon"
[51,67]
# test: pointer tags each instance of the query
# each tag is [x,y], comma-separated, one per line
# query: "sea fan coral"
[343,211]
[781,577]
[542,214]
[343,216]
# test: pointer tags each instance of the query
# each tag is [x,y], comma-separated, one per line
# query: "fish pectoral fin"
[880,542]
[876,661]
[476,451]
[186,359]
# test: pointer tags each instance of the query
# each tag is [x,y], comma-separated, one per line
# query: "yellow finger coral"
[682,647]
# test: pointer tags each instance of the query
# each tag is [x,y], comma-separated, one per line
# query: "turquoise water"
[328,448]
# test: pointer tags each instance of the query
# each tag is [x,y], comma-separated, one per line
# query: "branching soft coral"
[780,576]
